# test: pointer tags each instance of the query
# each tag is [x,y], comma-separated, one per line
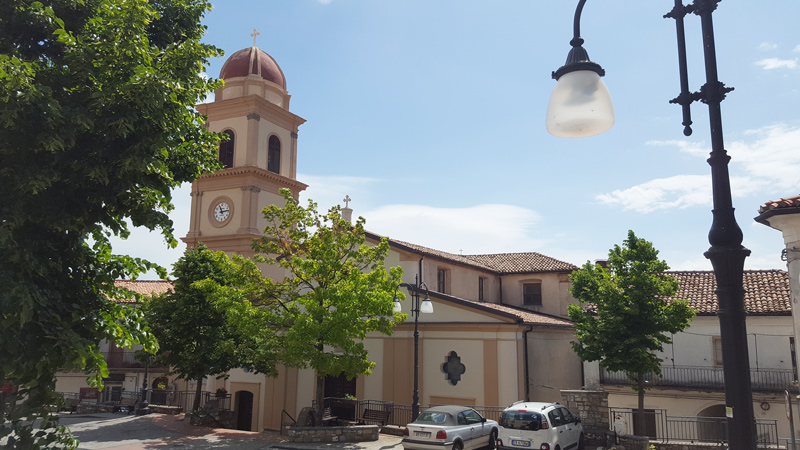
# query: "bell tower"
[260,155]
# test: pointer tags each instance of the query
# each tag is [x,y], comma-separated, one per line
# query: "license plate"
[520,443]
[422,434]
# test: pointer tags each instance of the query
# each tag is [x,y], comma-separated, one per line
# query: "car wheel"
[457,445]
[581,445]
[493,440]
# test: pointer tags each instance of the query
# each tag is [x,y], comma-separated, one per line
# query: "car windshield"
[432,417]
[521,420]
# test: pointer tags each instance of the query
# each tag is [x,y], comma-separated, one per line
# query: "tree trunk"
[319,400]
[198,392]
[641,420]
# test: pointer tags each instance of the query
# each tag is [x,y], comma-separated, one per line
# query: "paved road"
[164,432]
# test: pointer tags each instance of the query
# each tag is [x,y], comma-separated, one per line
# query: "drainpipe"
[525,361]
[499,278]
[420,268]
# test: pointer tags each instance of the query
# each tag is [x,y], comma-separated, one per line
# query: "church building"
[498,332]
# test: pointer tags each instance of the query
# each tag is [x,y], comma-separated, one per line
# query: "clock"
[222,211]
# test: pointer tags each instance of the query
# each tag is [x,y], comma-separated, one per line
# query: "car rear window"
[432,417]
[520,420]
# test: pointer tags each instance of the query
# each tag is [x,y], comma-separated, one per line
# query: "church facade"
[500,319]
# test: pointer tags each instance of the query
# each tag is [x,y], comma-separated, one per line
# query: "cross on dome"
[347,201]
[255,34]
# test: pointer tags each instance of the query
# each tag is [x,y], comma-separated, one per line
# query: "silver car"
[450,427]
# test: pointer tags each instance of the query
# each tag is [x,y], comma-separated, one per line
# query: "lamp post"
[425,307]
[727,254]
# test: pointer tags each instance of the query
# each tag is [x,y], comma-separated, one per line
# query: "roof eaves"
[764,217]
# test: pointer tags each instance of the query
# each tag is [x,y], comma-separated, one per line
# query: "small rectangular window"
[480,289]
[717,351]
[532,294]
[441,278]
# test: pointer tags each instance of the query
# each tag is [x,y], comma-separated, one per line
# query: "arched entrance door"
[712,424]
[244,410]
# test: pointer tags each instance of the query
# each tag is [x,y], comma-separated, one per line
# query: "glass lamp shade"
[427,306]
[580,106]
[397,307]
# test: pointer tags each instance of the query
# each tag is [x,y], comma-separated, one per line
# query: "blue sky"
[429,114]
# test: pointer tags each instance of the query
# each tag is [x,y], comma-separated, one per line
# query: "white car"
[450,427]
[539,426]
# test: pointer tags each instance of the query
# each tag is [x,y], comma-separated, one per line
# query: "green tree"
[191,323]
[629,316]
[96,127]
[337,289]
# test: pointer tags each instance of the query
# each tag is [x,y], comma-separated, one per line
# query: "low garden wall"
[355,433]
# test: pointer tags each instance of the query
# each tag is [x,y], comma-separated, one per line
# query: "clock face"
[222,211]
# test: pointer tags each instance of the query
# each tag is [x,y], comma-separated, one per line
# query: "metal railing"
[125,360]
[787,444]
[772,380]
[658,426]
[399,415]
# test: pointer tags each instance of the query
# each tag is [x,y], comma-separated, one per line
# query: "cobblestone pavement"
[164,432]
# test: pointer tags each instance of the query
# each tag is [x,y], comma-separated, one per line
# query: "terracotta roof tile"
[501,263]
[530,317]
[143,287]
[767,291]
[787,202]
[522,262]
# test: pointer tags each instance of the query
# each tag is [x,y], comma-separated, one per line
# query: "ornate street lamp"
[727,254]
[426,307]
[580,105]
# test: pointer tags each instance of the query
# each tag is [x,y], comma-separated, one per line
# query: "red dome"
[253,61]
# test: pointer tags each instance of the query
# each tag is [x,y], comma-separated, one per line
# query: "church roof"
[517,314]
[767,291]
[523,262]
[253,61]
[500,263]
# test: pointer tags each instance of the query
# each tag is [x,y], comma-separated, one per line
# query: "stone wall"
[356,433]
[592,407]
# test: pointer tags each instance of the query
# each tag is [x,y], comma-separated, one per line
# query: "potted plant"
[222,392]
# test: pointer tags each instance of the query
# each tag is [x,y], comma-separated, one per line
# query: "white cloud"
[692,148]
[680,191]
[489,228]
[145,244]
[773,158]
[699,262]
[767,46]
[328,191]
[777,63]
[797,49]
[770,159]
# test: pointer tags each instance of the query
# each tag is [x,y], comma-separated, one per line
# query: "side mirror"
[577,420]
[483,419]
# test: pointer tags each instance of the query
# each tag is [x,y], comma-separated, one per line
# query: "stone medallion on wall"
[453,368]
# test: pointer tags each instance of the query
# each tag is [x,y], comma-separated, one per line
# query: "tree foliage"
[628,318]
[191,323]
[96,127]
[337,289]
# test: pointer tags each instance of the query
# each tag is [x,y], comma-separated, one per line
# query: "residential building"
[784,216]
[126,374]
[692,382]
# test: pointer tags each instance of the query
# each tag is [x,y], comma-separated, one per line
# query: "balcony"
[124,359]
[696,377]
